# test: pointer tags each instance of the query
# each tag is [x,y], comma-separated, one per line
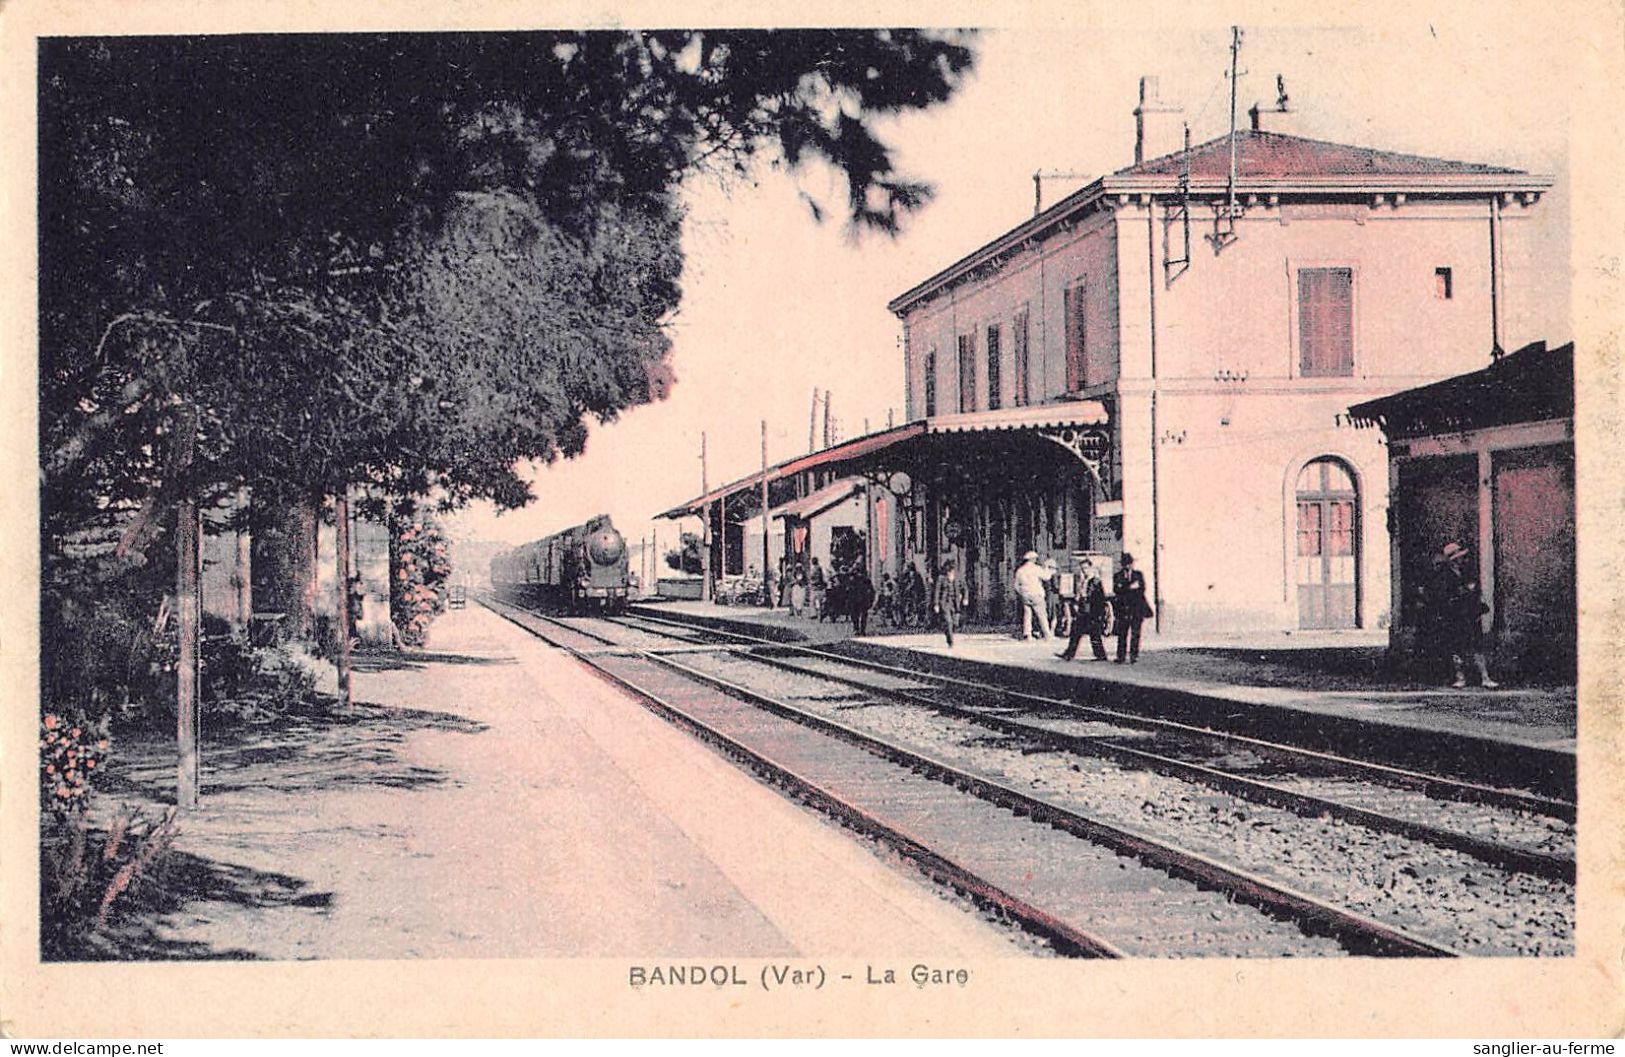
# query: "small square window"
[1443,286]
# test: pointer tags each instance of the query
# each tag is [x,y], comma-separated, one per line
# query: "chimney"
[1279,118]
[1158,126]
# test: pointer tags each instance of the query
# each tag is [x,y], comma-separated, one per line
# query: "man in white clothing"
[1029,583]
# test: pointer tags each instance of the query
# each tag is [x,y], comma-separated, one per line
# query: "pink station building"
[1162,363]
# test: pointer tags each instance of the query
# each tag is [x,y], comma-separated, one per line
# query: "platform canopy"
[897,447]
[1530,385]
[812,505]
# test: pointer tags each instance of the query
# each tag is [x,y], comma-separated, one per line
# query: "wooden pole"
[188,613]
[767,568]
[705,529]
[341,510]
[812,423]
[826,418]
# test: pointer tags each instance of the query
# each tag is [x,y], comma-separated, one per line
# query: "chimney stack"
[1158,126]
[1279,118]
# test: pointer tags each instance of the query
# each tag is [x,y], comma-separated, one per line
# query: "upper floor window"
[994,368]
[967,371]
[929,367]
[1018,347]
[1077,346]
[1325,322]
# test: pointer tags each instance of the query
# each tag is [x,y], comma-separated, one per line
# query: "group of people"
[1090,612]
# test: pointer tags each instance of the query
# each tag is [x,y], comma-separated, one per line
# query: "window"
[967,371]
[1326,322]
[1443,288]
[1018,339]
[1077,348]
[930,382]
[993,368]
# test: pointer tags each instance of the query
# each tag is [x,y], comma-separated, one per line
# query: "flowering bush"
[420,567]
[71,751]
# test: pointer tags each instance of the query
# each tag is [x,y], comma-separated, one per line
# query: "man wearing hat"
[1460,614]
[1029,584]
[1130,607]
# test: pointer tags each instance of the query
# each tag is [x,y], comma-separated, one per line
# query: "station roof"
[870,446]
[1267,163]
[819,501]
[1533,384]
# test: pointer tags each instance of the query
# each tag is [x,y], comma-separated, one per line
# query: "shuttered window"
[1077,347]
[1018,342]
[1325,322]
[930,369]
[967,372]
[994,368]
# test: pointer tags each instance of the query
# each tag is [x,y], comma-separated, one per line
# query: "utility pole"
[188,614]
[767,568]
[705,529]
[826,418]
[812,423]
[341,512]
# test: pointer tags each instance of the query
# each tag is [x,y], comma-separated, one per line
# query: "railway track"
[1356,834]
[1510,829]
[1090,886]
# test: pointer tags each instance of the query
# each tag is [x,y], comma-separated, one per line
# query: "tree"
[406,261]
[260,225]
[686,559]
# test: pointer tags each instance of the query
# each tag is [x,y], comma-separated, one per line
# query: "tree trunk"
[283,563]
[242,599]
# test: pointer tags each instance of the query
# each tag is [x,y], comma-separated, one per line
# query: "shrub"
[419,572]
[84,871]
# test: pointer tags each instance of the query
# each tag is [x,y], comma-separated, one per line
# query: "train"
[581,569]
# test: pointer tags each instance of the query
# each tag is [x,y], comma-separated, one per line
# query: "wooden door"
[1327,547]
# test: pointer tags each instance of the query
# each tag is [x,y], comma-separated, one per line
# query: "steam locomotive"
[581,568]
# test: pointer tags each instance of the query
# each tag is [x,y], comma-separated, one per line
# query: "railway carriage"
[582,568]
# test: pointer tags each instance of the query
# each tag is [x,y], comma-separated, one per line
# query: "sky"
[776,305]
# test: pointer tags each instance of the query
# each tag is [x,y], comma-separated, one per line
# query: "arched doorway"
[1327,551]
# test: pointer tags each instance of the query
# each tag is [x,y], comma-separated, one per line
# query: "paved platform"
[492,798]
[1324,680]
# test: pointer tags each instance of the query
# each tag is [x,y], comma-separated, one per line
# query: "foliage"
[71,751]
[85,872]
[99,620]
[410,279]
[255,684]
[419,575]
[245,225]
[686,560]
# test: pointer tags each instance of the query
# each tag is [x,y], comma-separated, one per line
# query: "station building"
[1162,362]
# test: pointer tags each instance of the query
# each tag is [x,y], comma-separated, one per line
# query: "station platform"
[490,797]
[1332,689]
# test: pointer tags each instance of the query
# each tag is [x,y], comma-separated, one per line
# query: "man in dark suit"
[1131,609]
[948,598]
[1092,613]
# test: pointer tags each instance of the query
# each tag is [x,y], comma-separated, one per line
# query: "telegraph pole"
[705,530]
[188,615]
[767,569]
[341,511]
